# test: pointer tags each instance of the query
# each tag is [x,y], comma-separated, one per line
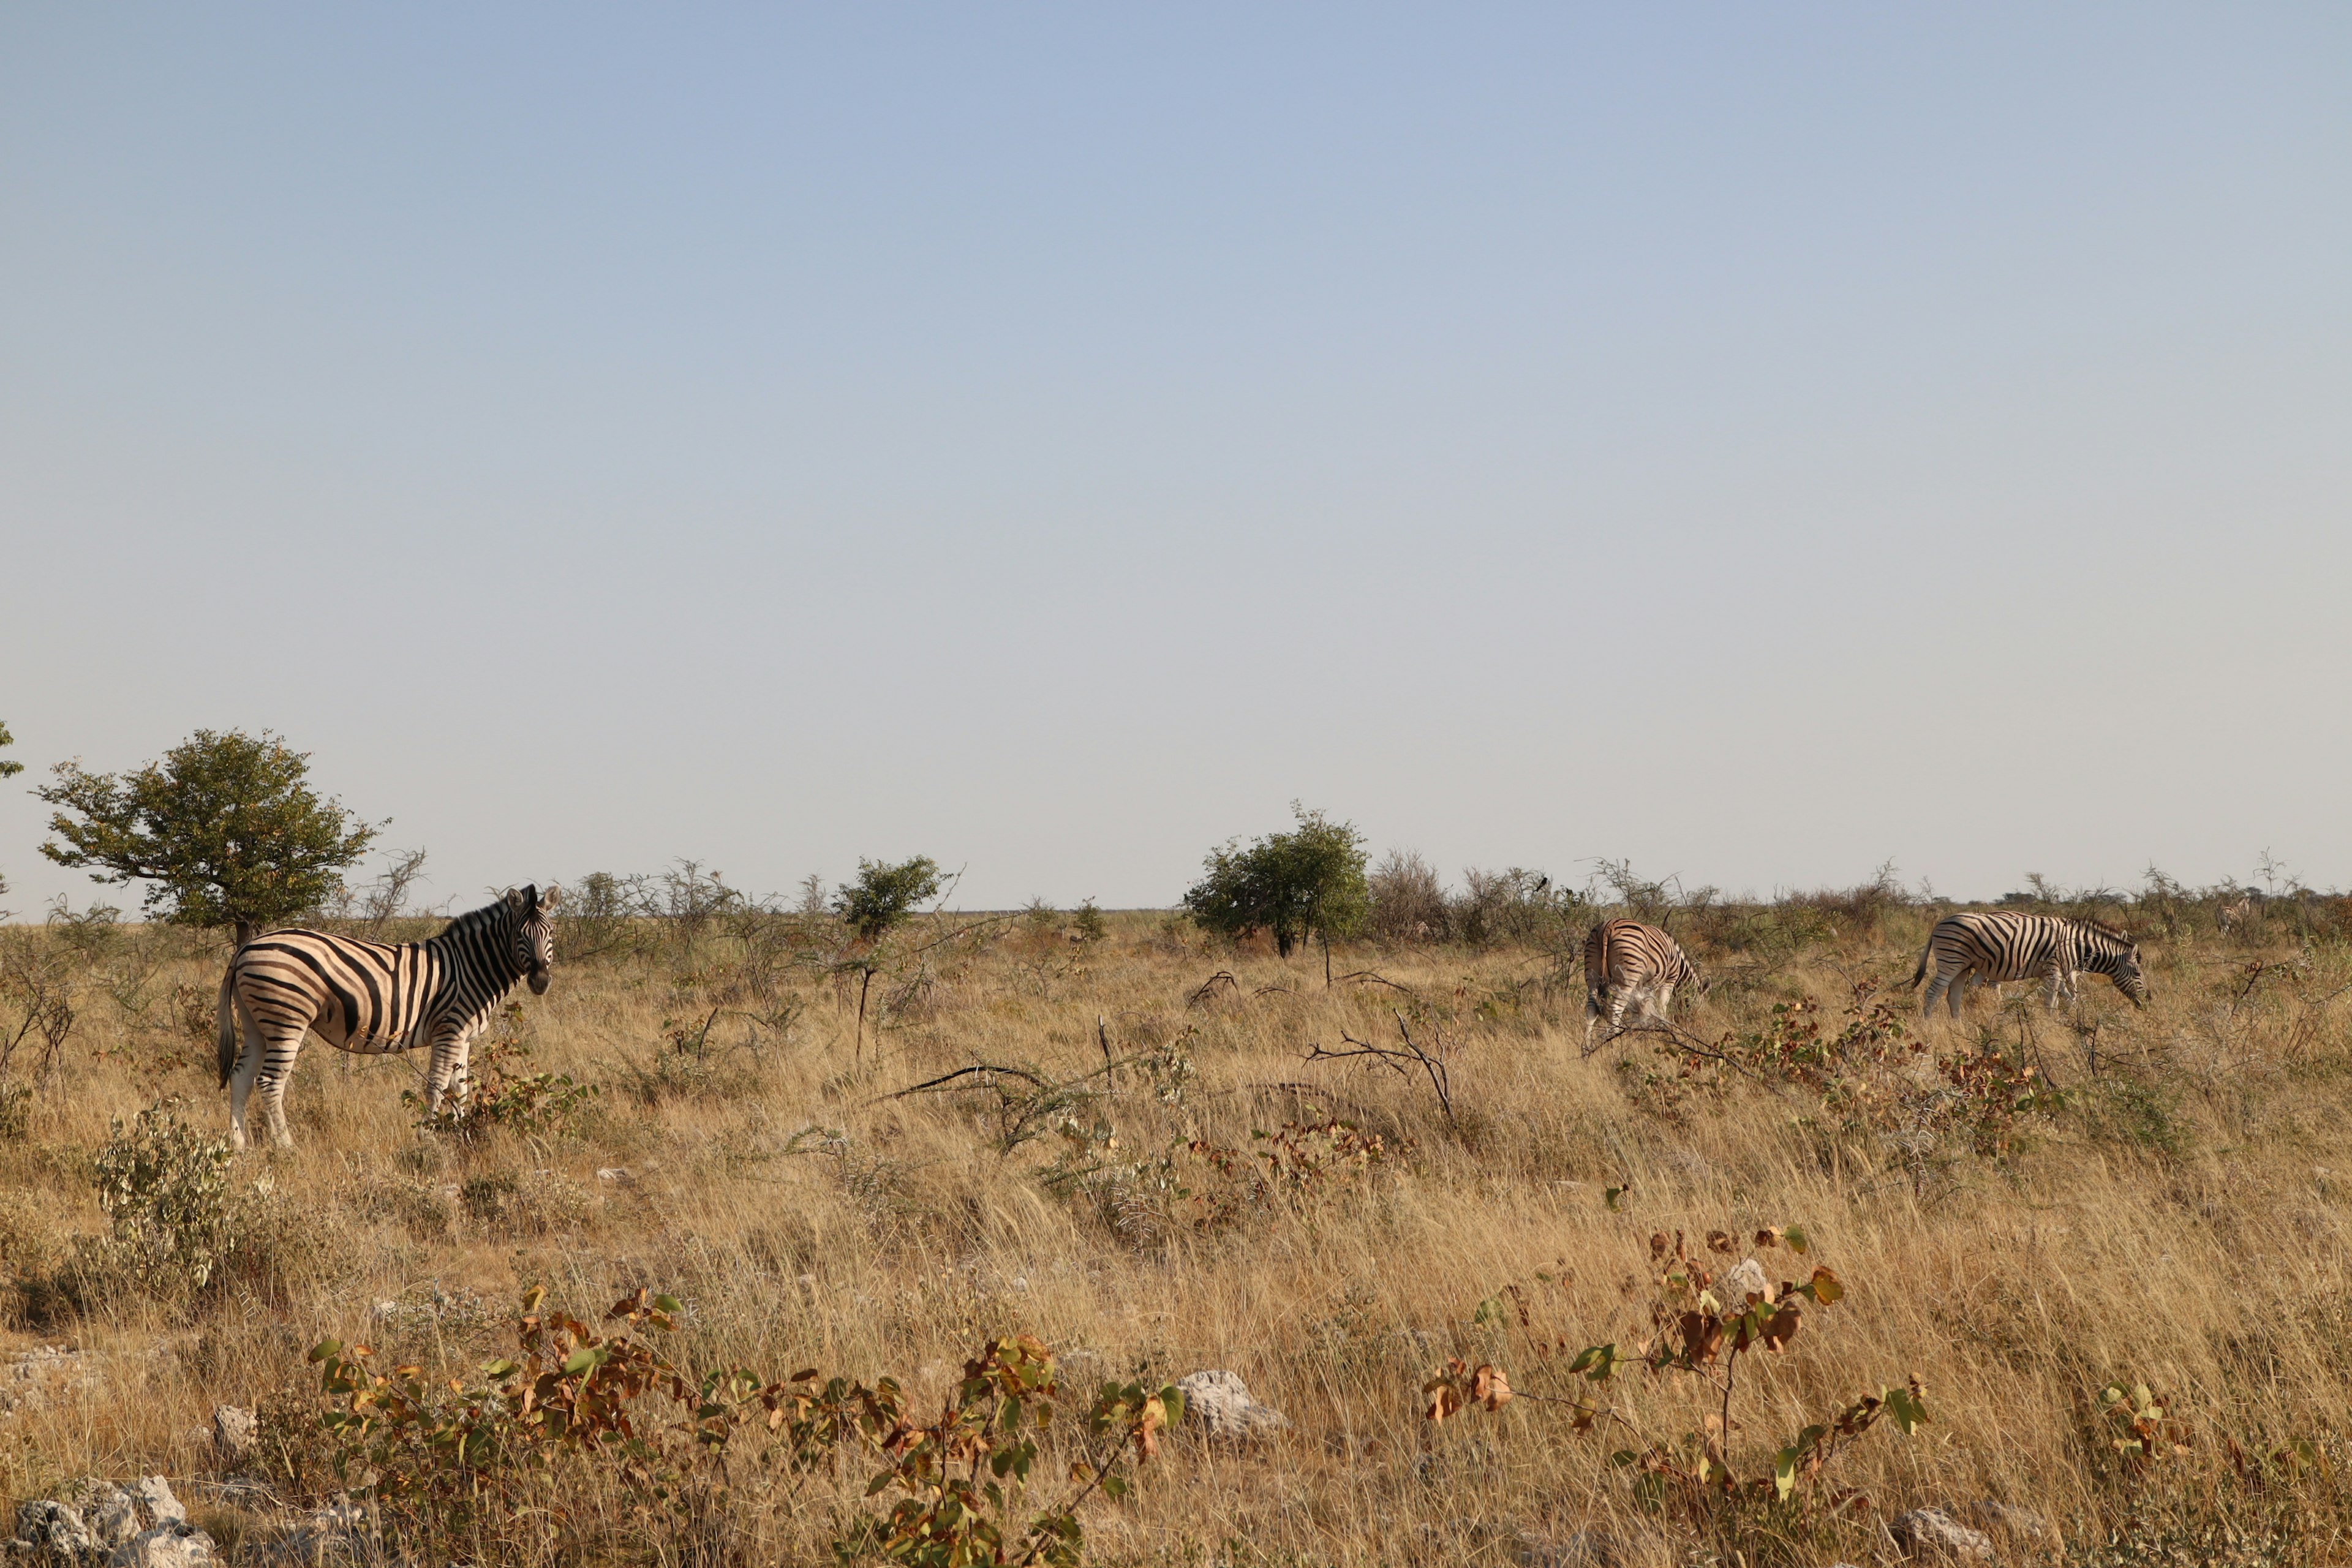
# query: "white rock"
[111,1513]
[1748,1280]
[46,1527]
[177,1546]
[235,1430]
[1220,1402]
[156,1503]
[1932,1534]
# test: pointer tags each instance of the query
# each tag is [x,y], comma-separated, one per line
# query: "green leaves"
[224,830]
[1909,1406]
[1310,880]
[1598,1363]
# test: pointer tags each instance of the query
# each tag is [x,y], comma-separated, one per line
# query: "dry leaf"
[1719,1241]
[1490,1387]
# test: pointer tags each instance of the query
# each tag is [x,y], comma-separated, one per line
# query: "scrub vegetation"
[788,1232]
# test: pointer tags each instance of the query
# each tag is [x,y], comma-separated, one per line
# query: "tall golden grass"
[2173,1215]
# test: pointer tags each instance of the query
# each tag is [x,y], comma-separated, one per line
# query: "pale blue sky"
[1757,441]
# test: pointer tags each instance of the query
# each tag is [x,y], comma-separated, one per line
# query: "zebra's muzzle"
[538,979]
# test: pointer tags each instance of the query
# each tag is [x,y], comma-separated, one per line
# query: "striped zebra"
[374,997]
[1991,946]
[1627,961]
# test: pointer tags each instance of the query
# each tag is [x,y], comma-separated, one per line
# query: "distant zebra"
[372,997]
[1991,946]
[2232,916]
[1627,961]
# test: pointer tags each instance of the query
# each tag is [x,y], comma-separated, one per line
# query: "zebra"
[2232,916]
[374,997]
[1991,946]
[1625,961]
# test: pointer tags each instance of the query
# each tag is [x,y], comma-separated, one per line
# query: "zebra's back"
[360,996]
[1623,952]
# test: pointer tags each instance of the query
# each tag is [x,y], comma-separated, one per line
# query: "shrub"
[451,1464]
[1307,882]
[1407,901]
[495,1095]
[166,1188]
[884,894]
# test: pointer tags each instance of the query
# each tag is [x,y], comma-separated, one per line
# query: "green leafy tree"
[885,895]
[223,829]
[882,899]
[1308,882]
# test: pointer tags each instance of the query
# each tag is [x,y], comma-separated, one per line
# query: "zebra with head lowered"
[1627,961]
[1990,946]
[373,997]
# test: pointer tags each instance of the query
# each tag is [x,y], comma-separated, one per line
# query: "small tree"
[1306,882]
[882,899]
[884,894]
[223,829]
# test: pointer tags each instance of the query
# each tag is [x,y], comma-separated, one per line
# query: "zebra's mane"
[489,914]
[2105,930]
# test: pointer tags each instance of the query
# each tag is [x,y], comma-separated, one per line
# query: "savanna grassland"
[2109,1244]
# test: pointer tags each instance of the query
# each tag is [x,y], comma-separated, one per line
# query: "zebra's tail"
[225,1041]
[1921,973]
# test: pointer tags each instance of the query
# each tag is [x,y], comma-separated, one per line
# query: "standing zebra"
[1991,946]
[1625,961]
[373,997]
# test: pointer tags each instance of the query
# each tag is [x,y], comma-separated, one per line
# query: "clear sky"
[1757,441]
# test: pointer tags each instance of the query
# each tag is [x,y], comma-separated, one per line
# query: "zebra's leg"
[1936,989]
[1618,996]
[1960,991]
[445,1079]
[275,1060]
[1661,1002]
[1592,1015]
[241,1077]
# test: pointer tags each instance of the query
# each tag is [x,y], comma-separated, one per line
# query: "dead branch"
[1400,1060]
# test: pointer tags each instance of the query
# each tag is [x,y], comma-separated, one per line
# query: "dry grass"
[2179,1221]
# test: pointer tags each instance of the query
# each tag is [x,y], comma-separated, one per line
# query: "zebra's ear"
[531,899]
[514,899]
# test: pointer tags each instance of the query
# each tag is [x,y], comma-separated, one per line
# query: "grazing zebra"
[1625,961]
[1991,946]
[2232,916]
[372,997]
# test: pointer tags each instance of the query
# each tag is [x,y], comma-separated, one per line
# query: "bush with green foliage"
[225,830]
[166,1188]
[885,896]
[1306,883]
[454,1468]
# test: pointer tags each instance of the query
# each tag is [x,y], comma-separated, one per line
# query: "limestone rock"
[139,1526]
[1221,1402]
[1933,1534]
[235,1431]
[1748,1279]
[48,1531]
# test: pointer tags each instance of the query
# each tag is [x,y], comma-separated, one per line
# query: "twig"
[1396,1060]
[1376,978]
[965,1072]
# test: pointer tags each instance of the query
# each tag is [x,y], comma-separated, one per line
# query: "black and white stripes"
[1988,947]
[370,996]
[1627,961]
